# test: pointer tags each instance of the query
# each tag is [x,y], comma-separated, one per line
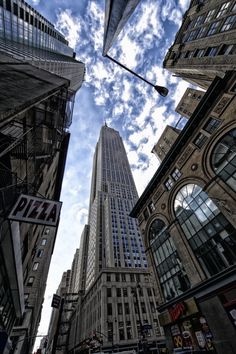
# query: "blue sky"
[109,93]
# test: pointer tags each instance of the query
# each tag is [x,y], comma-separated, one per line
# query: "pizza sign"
[36,210]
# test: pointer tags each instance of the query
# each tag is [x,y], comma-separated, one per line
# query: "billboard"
[36,210]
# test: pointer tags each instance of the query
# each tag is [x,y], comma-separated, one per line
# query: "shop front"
[187,328]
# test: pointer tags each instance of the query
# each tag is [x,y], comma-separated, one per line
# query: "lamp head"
[163,91]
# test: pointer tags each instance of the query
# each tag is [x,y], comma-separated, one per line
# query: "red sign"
[177,310]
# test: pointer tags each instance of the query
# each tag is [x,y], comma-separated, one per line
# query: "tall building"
[117,13]
[189,102]
[36,107]
[165,142]
[205,45]
[117,300]
[26,35]
[187,215]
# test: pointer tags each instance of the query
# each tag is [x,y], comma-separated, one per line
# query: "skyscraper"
[117,13]
[205,45]
[39,77]
[27,35]
[117,300]
[114,238]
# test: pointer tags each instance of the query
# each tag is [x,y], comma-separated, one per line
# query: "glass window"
[202,32]
[35,266]
[224,159]
[223,9]
[226,49]
[199,20]
[109,309]
[211,51]
[228,24]
[210,16]
[108,292]
[30,281]
[44,241]
[172,276]
[169,184]
[200,140]
[211,125]
[199,53]
[40,253]
[192,35]
[213,28]
[198,215]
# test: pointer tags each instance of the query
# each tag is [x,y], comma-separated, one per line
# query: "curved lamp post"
[163,91]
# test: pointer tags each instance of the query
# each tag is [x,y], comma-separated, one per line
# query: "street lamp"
[163,91]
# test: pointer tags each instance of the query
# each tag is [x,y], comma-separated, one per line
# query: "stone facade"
[190,228]
[205,43]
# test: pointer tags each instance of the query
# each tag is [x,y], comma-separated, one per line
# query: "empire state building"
[114,238]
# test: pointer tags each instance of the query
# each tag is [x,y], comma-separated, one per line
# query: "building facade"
[117,13]
[26,35]
[165,142]
[187,218]
[36,109]
[189,102]
[205,43]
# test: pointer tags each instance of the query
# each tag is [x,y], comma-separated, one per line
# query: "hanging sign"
[36,210]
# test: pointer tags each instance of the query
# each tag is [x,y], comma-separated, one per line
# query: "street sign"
[56,300]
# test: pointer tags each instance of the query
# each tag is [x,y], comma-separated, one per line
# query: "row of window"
[123,292]
[31,19]
[223,49]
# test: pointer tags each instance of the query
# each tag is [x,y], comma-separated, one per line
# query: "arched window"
[210,235]
[224,159]
[172,276]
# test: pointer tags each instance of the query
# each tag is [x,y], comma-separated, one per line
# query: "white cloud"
[69,25]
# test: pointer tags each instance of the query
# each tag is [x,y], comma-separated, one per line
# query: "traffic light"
[56,300]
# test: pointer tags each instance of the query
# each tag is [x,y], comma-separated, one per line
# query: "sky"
[110,94]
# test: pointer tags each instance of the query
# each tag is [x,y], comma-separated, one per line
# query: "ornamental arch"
[207,164]
[210,235]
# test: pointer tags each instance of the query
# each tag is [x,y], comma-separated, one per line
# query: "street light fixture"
[163,91]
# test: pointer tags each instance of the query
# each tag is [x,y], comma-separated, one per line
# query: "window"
[43,242]
[210,235]
[226,49]
[192,35]
[211,51]
[199,53]
[223,9]
[109,309]
[127,308]
[223,159]
[149,291]
[213,28]
[210,16]
[15,9]
[202,32]
[200,140]
[199,20]
[35,266]
[108,292]
[143,307]
[40,253]
[228,24]
[173,279]
[108,277]
[123,278]
[125,293]
[151,207]
[117,277]
[118,292]
[119,309]
[30,281]
[211,125]
[132,278]
[169,184]
[176,174]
